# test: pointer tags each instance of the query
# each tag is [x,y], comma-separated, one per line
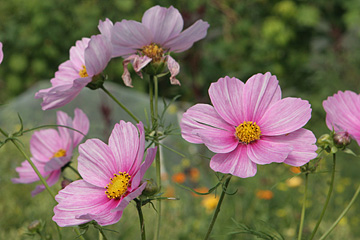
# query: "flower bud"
[151,187]
[35,226]
[64,183]
[342,139]
[324,139]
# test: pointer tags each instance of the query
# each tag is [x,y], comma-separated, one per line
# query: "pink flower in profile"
[343,113]
[1,52]
[52,149]
[250,124]
[159,33]
[112,177]
[87,60]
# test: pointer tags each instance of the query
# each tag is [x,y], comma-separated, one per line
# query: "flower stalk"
[303,207]
[141,218]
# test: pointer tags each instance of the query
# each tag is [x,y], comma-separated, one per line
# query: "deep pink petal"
[218,140]
[97,54]
[265,151]
[186,39]
[260,92]
[44,144]
[80,123]
[1,52]
[124,144]
[140,151]
[236,163]
[51,180]
[105,27]
[226,96]
[285,116]
[303,143]
[96,163]
[150,156]
[77,53]
[80,199]
[126,200]
[164,23]
[174,69]
[201,116]
[129,36]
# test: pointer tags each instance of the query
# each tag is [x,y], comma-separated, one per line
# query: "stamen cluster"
[248,132]
[118,185]
[153,51]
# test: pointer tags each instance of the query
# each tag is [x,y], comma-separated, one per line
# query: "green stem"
[327,198]
[79,235]
[303,207]
[120,104]
[217,210]
[102,235]
[75,171]
[141,218]
[341,215]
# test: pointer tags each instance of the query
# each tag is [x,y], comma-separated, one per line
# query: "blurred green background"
[311,46]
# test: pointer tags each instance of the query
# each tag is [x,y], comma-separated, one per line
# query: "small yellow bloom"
[210,202]
[294,182]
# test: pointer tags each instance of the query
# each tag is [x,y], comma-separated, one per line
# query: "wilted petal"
[1,52]
[138,62]
[174,69]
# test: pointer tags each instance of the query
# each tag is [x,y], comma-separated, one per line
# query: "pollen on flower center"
[153,51]
[247,132]
[83,72]
[118,185]
[60,153]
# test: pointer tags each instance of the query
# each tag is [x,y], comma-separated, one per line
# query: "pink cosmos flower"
[112,177]
[159,33]
[87,60]
[250,124]
[1,52]
[343,113]
[52,149]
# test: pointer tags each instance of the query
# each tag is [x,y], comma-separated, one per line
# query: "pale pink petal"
[126,200]
[97,54]
[285,116]
[227,98]
[129,36]
[186,39]
[59,96]
[96,163]
[44,144]
[81,123]
[201,116]
[57,163]
[303,143]
[164,23]
[78,199]
[51,180]
[27,173]
[265,151]
[66,134]
[1,52]
[260,92]
[138,62]
[218,140]
[77,53]
[105,27]
[65,75]
[236,163]
[150,156]
[124,144]
[174,69]
[140,151]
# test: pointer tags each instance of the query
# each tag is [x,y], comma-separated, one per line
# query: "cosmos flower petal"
[285,116]
[1,52]
[97,54]
[124,143]
[27,174]
[186,39]
[96,163]
[56,163]
[260,92]
[174,69]
[44,143]
[226,96]
[126,200]
[164,23]
[138,62]
[150,156]
[141,149]
[236,163]
[80,123]
[267,151]
[218,140]
[65,133]
[77,53]
[78,199]
[128,36]
[105,27]
[201,116]
[51,180]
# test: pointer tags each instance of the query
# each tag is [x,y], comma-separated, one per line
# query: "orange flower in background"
[194,174]
[295,170]
[264,194]
[179,177]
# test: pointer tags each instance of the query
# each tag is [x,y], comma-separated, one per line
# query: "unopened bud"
[151,187]
[324,139]
[64,183]
[35,226]
[342,139]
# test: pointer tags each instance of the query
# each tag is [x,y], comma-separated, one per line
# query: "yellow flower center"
[248,132]
[83,72]
[118,185]
[153,51]
[60,153]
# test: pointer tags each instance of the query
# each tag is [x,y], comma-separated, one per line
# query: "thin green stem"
[217,210]
[120,104]
[102,235]
[141,218]
[79,235]
[327,198]
[53,125]
[303,207]
[342,214]
[75,171]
